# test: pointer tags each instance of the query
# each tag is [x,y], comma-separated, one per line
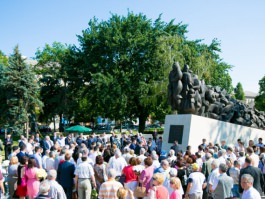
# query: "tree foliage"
[239,92]
[53,79]
[126,62]
[260,99]
[19,92]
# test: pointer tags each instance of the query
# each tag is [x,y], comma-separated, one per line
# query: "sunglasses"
[171,182]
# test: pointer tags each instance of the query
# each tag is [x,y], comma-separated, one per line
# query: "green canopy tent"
[78,129]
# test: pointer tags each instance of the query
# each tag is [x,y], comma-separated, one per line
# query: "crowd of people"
[130,166]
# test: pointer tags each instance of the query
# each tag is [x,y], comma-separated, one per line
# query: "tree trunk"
[54,124]
[61,129]
[142,120]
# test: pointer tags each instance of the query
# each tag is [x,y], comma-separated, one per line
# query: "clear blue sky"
[238,24]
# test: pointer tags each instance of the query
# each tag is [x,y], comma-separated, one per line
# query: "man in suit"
[66,174]
[22,152]
[176,147]
[46,144]
[224,184]
[8,145]
[255,173]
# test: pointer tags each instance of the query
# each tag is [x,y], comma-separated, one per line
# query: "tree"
[239,92]
[54,82]
[3,59]
[125,63]
[19,92]
[260,99]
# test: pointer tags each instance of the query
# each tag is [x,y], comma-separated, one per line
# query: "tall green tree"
[121,65]
[239,92]
[3,59]
[260,99]
[54,82]
[19,92]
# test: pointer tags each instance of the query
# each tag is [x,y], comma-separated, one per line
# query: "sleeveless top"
[161,192]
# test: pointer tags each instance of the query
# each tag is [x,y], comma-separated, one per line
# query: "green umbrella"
[79,129]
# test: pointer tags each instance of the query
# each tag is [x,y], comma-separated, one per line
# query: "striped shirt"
[108,190]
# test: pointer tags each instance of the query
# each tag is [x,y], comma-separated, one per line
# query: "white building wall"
[196,128]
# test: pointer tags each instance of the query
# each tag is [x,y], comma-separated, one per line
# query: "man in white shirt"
[61,140]
[230,154]
[196,183]
[30,146]
[213,175]
[84,172]
[117,162]
[50,161]
[253,156]
[249,191]
[221,156]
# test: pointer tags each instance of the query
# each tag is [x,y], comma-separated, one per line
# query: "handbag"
[94,194]
[122,179]
[139,191]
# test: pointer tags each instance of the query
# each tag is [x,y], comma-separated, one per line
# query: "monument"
[207,112]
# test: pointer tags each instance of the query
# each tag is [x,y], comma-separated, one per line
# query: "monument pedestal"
[191,129]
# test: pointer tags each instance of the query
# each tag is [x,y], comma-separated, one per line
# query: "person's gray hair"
[117,153]
[126,150]
[248,177]
[47,152]
[223,167]
[171,152]
[215,163]
[142,151]
[165,162]
[208,156]
[83,146]
[154,156]
[52,173]
[111,173]
[44,187]
[51,154]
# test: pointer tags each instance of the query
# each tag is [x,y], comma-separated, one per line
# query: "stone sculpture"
[189,95]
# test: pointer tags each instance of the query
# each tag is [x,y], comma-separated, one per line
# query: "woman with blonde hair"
[175,184]
[12,175]
[158,191]
[124,193]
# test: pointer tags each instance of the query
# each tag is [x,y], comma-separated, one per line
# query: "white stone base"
[196,128]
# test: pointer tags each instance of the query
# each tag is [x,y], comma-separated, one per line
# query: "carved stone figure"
[175,86]
[189,95]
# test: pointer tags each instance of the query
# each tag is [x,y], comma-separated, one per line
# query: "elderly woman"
[147,173]
[172,158]
[12,175]
[158,190]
